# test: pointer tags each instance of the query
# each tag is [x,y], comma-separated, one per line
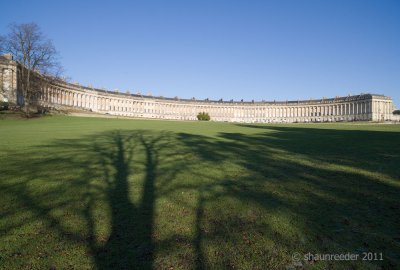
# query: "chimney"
[8,56]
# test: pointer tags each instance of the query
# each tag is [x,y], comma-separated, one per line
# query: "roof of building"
[8,57]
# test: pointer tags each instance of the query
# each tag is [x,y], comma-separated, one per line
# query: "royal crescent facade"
[63,95]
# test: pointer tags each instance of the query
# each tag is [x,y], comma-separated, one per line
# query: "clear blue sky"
[283,50]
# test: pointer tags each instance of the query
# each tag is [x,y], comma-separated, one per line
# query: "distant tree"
[37,56]
[397,112]
[203,116]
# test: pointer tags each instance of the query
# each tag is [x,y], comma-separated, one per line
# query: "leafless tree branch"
[37,56]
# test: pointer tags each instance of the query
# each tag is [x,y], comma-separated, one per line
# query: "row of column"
[293,111]
[231,112]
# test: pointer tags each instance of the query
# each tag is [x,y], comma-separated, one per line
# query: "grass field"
[82,193]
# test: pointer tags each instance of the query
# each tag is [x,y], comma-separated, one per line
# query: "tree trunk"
[27,94]
[27,111]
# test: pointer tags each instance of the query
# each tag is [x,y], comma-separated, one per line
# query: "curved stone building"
[363,107]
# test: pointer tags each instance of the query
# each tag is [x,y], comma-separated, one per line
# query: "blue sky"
[271,50]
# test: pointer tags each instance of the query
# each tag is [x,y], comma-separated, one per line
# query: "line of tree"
[203,116]
[397,112]
[37,57]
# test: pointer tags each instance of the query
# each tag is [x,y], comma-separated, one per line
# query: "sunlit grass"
[78,193]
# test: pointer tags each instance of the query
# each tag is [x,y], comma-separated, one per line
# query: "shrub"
[4,106]
[203,116]
[397,112]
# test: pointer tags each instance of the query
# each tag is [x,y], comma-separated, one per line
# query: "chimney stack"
[8,56]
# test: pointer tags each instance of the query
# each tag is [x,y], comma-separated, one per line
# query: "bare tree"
[37,56]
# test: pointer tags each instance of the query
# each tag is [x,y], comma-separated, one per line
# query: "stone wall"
[8,79]
[364,107]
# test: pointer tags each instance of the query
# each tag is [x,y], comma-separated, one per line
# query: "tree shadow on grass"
[129,244]
[97,189]
[142,200]
[337,189]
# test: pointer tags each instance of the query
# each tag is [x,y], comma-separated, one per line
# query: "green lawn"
[82,193]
